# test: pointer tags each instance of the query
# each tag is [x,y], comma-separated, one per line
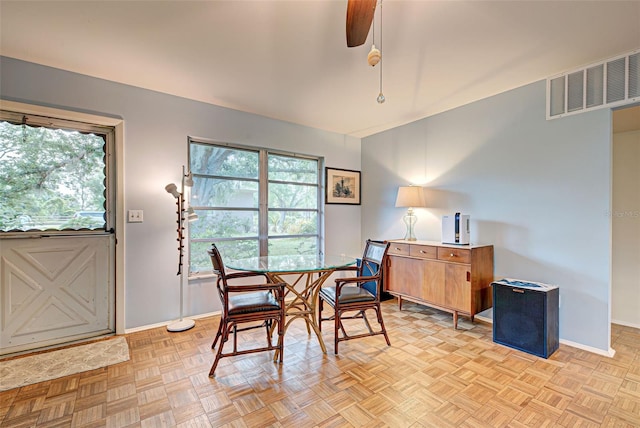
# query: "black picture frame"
[342,186]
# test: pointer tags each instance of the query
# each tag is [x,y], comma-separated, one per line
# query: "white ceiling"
[288,60]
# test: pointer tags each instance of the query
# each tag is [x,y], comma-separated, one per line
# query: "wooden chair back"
[247,304]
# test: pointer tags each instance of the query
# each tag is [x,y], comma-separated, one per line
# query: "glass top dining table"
[295,263]
[303,276]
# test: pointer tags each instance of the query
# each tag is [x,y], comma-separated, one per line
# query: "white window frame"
[263,208]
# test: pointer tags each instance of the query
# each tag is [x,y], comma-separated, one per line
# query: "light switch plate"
[135,216]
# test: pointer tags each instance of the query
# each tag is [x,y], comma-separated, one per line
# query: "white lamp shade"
[188,180]
[173,189]
[191,214]
[410,196]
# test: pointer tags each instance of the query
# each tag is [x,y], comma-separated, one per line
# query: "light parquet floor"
[431,376]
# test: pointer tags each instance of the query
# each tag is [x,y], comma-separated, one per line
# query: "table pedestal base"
[303,304]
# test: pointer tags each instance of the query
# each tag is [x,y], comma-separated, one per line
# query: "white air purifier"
[455,229]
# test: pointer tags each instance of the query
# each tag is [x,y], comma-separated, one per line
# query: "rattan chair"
[247,304]
[350,295]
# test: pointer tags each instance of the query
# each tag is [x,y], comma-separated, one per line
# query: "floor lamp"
[184,217]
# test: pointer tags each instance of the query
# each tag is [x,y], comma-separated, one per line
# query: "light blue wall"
[156,127]
[538,190]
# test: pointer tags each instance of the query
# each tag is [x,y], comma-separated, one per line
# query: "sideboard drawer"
[454,255]
[423,251]
[399,249]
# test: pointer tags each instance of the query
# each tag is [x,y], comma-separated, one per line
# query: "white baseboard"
[626,324]
[487,317]
[164,324]
[598,351]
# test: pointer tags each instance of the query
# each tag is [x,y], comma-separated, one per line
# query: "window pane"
[239,249]
[285,246]
[200,261]
[247,198]
[223,161]
[293,196]
[293,222]
[213,192]
[284,168]
[51,179]
[224,224]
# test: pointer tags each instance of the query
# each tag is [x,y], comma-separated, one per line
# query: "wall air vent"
[609,83]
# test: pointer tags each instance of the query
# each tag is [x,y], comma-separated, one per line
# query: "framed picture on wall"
[343,186]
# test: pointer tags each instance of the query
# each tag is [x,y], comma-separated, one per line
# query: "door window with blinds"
[252,202]
[53,174]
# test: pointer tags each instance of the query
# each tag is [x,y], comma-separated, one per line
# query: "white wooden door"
[55,289]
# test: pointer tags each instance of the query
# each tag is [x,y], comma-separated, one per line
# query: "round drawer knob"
[452,255]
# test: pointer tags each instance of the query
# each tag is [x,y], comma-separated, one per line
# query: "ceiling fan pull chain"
[381,97]
[373,57]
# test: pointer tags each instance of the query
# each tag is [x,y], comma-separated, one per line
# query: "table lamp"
[410,197]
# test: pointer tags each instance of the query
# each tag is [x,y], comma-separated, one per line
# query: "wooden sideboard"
[453,278]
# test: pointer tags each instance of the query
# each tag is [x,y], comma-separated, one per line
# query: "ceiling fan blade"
[359,18]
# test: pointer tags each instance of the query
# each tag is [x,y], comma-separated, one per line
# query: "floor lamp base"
[181,325]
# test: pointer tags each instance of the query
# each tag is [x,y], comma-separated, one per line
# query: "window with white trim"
[252,202]
[54,175]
